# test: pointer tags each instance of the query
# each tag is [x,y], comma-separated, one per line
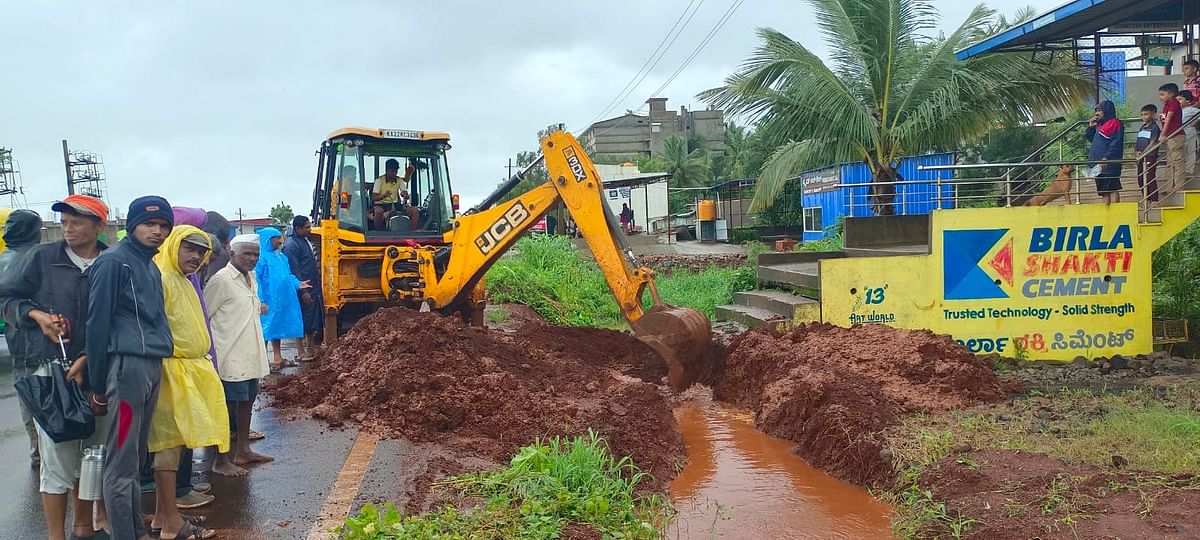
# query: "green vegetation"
[497,314]
[548,274]
[547,486]
[1176,279]
[831,242]
[917,513]
[688,167]
[282,214]
[894,90]
[1153,429]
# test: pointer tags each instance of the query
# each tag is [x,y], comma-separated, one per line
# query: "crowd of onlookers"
[1168,130]
[160,342]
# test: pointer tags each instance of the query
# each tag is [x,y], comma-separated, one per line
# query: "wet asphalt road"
[280,500]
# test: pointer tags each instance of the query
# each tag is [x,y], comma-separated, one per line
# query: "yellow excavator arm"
[680,335]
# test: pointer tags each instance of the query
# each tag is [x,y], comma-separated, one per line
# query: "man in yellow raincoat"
[191,409]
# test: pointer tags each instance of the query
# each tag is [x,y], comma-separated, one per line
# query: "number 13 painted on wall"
[876,295]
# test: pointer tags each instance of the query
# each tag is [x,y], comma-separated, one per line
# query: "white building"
[645,193]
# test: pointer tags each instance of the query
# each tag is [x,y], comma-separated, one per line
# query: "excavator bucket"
[681,336]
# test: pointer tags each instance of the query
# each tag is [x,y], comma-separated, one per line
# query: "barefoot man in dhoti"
[233,312]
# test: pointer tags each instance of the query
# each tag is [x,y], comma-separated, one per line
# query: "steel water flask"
[91,474]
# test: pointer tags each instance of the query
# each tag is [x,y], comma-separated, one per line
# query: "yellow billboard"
[1051,282]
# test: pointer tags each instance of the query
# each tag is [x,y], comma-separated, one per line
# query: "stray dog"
[1058,187]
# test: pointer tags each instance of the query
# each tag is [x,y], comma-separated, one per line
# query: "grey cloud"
[221,104]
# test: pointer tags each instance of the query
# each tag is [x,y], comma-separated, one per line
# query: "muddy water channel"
[740,483]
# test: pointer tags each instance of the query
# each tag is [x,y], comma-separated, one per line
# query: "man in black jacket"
[22,232]
[127,338]
[304,266]
[44,295]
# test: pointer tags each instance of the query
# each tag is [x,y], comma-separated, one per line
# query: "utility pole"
[509,168]
[67,165]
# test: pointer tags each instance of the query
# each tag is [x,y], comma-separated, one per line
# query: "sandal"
[256,436]
[190,531]
[187,518]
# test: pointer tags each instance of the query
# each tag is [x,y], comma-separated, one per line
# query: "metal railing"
[1024,182]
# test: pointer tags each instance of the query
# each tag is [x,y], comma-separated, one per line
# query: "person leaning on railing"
[1172,135]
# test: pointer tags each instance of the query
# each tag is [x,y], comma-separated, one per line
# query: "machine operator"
[390,197]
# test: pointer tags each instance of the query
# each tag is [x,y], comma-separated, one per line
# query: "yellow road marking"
[345,488]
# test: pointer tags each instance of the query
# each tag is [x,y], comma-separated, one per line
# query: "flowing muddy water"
[740,483]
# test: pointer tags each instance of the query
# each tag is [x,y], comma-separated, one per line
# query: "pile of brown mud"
[834,390]
[483,394]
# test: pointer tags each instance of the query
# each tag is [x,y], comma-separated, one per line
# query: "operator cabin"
[388,181]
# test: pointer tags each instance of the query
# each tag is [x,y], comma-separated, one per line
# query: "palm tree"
[687,169]
[735,147]
[890,92]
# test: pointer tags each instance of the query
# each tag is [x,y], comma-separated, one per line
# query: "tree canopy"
[282,213]
[890,92]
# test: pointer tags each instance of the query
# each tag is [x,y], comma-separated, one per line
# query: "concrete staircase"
[768,308]
[790,283]
[1173,214]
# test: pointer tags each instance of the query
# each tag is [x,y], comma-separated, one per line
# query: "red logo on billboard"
[1003,262]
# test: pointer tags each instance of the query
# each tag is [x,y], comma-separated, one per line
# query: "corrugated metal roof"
[1076,19]
[635,180]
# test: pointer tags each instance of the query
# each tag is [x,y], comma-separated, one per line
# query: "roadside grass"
[497,314]
[549,274]
[1154,430]
[547,486]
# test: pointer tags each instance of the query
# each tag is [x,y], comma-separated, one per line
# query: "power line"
[695,52]
[622,94]
[643,72]
[711,34]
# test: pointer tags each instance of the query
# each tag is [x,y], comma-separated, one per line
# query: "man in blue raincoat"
[278,288]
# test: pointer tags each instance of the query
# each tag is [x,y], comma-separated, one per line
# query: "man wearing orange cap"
[43,294]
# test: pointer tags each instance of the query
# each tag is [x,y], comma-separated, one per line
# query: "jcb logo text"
[501,228]
[576,166]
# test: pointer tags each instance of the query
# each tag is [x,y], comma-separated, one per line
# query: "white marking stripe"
[345,488]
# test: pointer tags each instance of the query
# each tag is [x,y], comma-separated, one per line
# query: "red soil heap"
[428,378]
[833,390]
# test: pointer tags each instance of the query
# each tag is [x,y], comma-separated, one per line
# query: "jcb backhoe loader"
[421,254]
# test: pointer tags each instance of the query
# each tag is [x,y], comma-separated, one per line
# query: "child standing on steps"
[1148,167]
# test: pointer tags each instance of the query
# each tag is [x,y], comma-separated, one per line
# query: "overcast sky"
[221,105]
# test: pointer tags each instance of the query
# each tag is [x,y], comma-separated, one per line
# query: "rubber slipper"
[192,532]
[257,436]
[195,520]
[202,487]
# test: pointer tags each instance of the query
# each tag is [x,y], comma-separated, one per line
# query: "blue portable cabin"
[825,201]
